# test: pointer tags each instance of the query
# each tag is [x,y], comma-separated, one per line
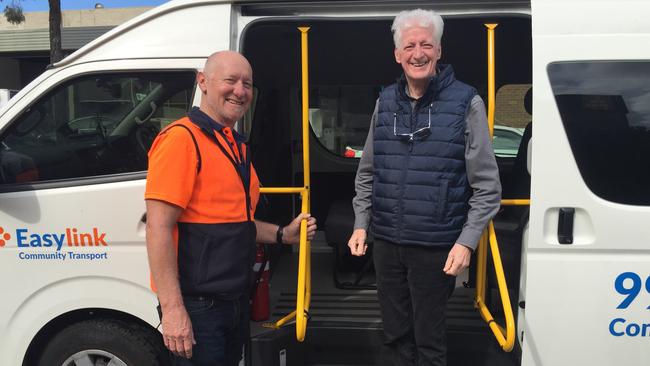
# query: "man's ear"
[396,53]
[439,52]
[200,80]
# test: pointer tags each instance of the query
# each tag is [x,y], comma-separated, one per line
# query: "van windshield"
[93,125]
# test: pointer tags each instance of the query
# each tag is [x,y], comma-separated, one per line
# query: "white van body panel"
[570,296]
[55,287]
[176,29]
[66,295]
[59,286]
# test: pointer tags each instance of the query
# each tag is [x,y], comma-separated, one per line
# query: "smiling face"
[227,86]
[418,53]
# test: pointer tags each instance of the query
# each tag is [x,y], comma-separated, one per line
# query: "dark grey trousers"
[413,292]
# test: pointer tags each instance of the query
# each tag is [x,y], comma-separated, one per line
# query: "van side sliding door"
[588,255]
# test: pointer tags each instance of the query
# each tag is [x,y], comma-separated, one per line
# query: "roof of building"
[78,28]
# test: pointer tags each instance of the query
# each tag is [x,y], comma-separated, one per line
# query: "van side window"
[605,109]
[340,116]
[510,119]
[94,125]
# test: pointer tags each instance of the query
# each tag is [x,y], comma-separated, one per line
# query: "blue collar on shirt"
[204,121]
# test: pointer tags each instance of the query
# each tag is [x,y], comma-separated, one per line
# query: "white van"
[75,280]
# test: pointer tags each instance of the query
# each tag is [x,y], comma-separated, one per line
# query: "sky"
[42,5]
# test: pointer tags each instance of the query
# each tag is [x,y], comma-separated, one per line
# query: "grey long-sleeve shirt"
[482,174]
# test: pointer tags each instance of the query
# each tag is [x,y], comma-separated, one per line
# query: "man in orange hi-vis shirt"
[201,196]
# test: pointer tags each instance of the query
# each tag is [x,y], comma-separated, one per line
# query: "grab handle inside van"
[153,110]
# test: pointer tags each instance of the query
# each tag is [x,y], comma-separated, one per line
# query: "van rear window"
[605,110]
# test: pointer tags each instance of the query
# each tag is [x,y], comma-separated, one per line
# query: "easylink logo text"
[70,244]
[71,238]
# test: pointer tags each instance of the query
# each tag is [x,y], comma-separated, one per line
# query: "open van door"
[588,255]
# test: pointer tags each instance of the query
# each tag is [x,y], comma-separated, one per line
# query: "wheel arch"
[62,303]
[56,325]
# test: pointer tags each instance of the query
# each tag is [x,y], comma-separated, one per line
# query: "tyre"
[102,342]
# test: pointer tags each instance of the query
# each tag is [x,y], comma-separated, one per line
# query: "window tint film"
[605,109]
[93,125]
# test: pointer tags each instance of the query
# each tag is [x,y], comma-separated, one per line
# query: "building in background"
[25,48]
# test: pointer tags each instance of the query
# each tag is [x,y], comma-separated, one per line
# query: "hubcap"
[93,357]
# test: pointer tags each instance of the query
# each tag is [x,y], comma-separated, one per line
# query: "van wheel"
[103,342]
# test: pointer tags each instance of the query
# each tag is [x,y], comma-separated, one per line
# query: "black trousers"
[413,292]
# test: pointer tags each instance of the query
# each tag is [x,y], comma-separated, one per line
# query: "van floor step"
[347,306]
[338,346]
[345,327]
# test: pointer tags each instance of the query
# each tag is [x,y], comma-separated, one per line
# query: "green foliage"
[14,13]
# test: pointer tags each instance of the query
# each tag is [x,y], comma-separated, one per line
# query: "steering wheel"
[31,121]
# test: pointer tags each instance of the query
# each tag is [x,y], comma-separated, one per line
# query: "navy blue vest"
[420,189]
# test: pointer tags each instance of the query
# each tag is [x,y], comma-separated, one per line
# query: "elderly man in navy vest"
[429,183]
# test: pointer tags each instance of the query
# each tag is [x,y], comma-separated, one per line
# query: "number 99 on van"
[630,285]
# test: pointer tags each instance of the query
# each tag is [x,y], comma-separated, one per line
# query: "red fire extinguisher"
[260,298]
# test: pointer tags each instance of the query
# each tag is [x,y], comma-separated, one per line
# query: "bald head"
[219,59]
[226,83]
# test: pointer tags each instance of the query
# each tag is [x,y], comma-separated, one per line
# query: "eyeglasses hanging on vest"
[419,133]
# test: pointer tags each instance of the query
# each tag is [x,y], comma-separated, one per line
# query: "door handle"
[565,225]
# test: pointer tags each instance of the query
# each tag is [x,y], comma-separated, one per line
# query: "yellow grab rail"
[491,77]
[515,202]
[303,292]
[505,337]
[272,190]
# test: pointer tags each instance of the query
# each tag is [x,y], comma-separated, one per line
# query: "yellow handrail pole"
[491,78]
[505,337]
[287,318]
[516,202]
[281,190]
[304,283]
[481,272]
[481,256]
[509,341]
[301,297]
[305,108]
[308,260]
